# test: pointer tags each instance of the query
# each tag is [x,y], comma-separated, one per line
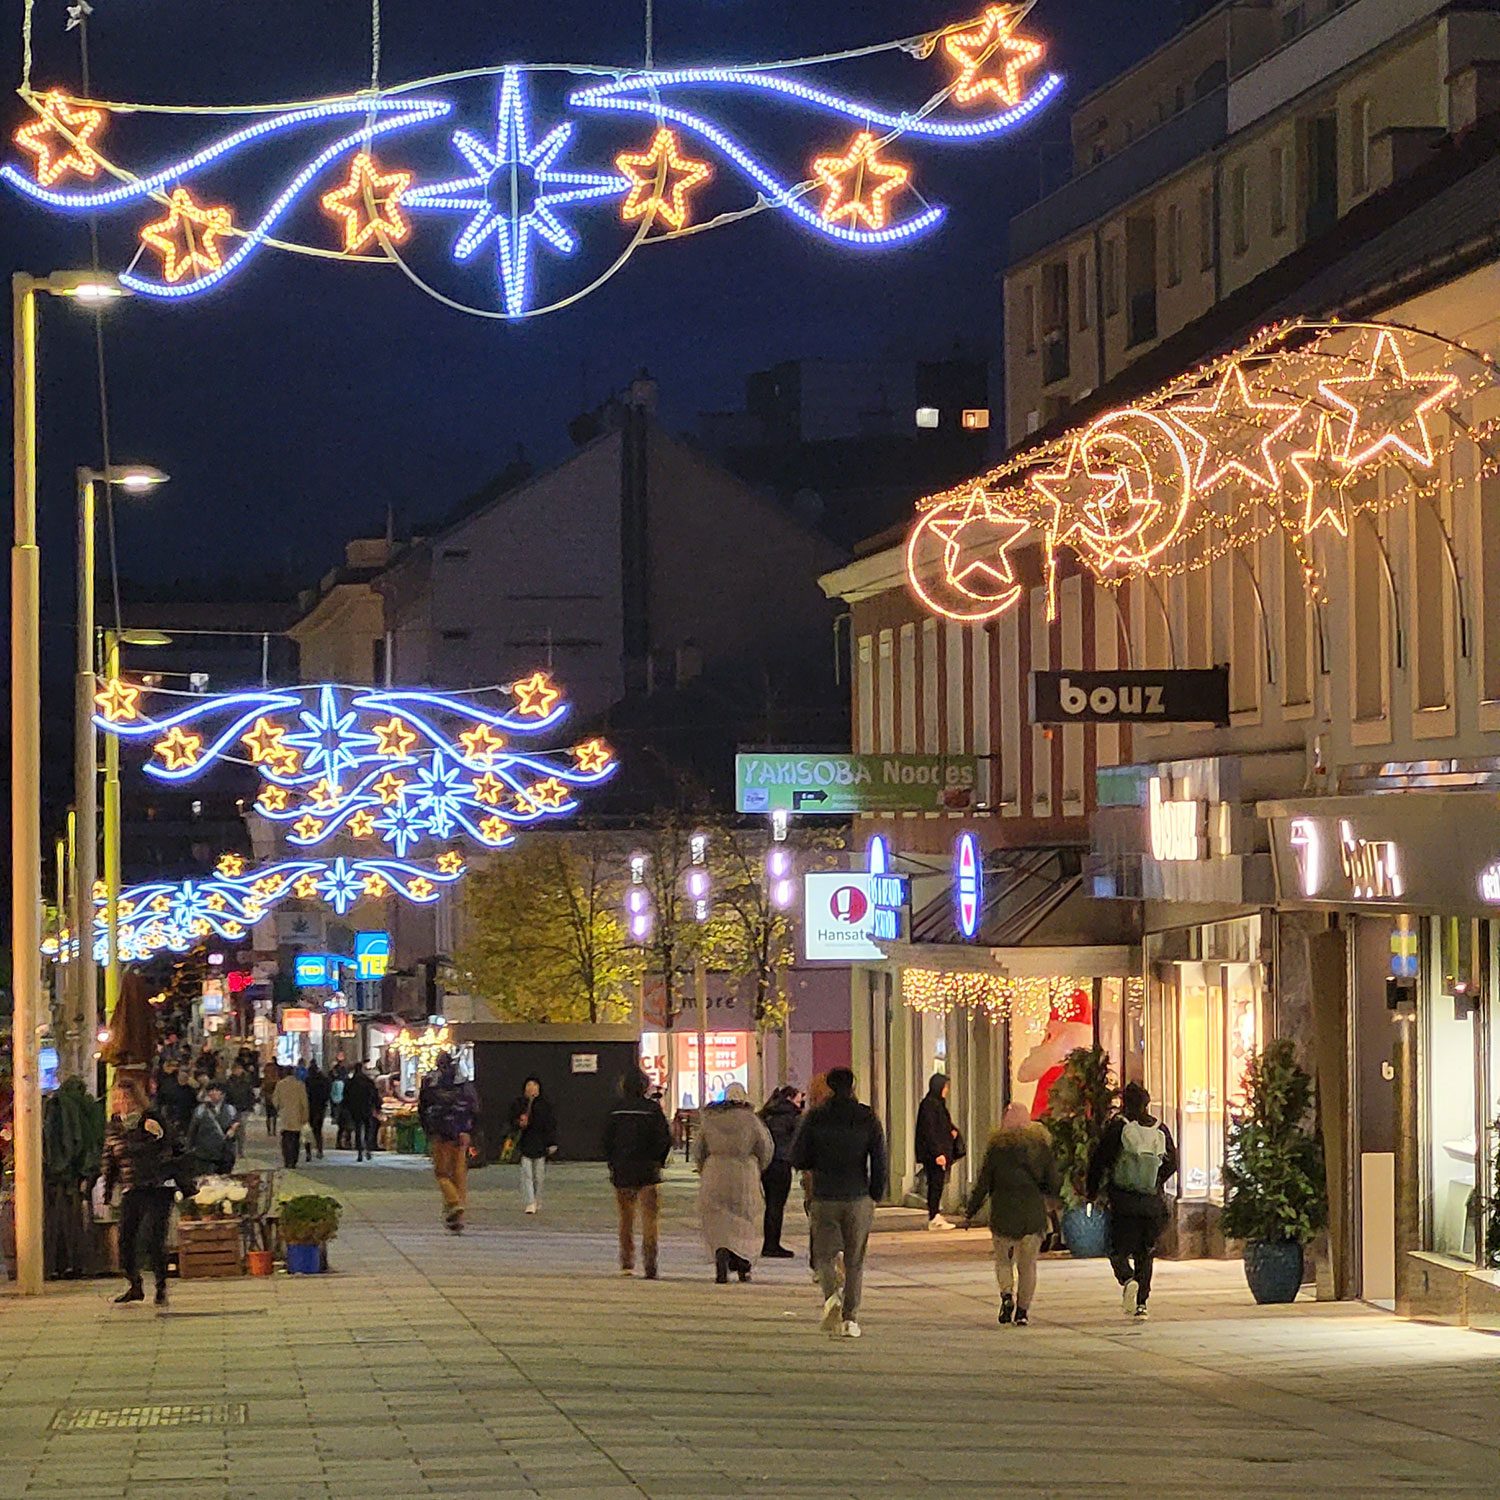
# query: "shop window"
[1489,576]
[1296,630]
[1452,1196]
[1489,1115]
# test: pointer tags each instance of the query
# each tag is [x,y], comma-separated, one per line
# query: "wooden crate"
[209,1248]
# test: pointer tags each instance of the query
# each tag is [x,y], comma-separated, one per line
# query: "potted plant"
[308,1222]
[215,1197]
[1078,1107]
[1275,1191]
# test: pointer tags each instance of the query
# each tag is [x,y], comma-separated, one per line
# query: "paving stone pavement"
[515,1361]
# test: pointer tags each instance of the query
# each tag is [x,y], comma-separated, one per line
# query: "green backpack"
[1143,1148]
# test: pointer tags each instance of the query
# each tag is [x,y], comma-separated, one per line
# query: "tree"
[544,933]
[1078,1107]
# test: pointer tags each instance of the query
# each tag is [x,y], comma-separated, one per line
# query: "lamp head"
[137,478]
[93,288]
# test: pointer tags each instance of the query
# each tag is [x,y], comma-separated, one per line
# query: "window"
[864,697]
[1359,147]
[1239,209]
[1367,616]
[1028,317]
[1430,606]
[1278,189]
[1489,555]
[377,660]
[1054,322]
[1245,634]
[1174,244]
[885,697]
[1449,1046]
[1296,630]
[1140,277]
[1111,278]
[1081,271]
[1206,255]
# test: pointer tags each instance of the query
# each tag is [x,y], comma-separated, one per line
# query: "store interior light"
[927,416]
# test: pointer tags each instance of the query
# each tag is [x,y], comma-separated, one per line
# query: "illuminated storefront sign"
[372,954]
[887,893]
[838,918]
[1177,828]
[314,970]
[968,884]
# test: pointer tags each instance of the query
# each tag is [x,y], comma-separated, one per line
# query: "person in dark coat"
[781,1116]
[317,1107]
[211,1132]
[448,1108]
[270,1076]
[1133,1160]
[362,1102]
[1018,1175]
[139,1154]
[637,1140]
[936,1146]
[239,1089]
[176,1099]
[533,1125]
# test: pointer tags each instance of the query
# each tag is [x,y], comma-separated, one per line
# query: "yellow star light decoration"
[100,890]
[390,788]
[660,180]
[118,701]
[187,239]
[1387,407]
[306,887]
[421,888]
[396,737]
[369,204]
[1324,477]
[264,740]
[60,139]
[481,744]
[451,862]
[127,908]
[488,788]
[268,885]
[325,794]
[858,185]
[375,885]
[991,39]
[362,824]
[214,901]
[494,829]
[198,927]
[233,930]
[179,750]
[1234,432]
[231,865]
[536,696]
[284,760]
[976,548]
[593,756]
[307,826]
[548,795]
[161,903]
[273,798]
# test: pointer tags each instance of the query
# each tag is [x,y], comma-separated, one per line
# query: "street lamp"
[135,479]
[89,288]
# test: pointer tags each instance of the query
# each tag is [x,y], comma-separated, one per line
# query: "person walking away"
[781,1116]
[139,1151]
[337,1081]
[448,1108]
[842,1145]
[534,1125]
[317,1087]
[210,1135]
[270,1076]
[1018,1174]
[637,1142]
[731,1149]
[1133,1160]
[818,1093]
[239,1089]
[362,1102]
[291,1114]
[938,1146]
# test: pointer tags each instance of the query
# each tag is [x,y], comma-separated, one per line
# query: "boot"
[721,1266]
[741,1267]
[132,1293]
[161,1294]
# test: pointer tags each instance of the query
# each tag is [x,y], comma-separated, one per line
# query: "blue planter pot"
[304,1260]
[1086,1231]
[1274,1269]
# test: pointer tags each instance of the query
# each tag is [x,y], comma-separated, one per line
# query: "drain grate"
[135,1418]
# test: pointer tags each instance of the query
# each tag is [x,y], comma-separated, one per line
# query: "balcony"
[1171,146]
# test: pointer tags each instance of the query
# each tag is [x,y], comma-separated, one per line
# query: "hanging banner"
[837,785]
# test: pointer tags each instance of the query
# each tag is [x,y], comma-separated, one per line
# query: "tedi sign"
[1186,697]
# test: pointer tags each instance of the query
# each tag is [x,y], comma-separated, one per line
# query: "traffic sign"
[837,785]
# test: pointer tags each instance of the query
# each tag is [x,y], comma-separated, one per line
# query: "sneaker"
[627,1270]
[530,1208]
[1022,1317]
[1140,1314]
[1007,1307]
[1130,1297]
[939,1223]
[850,1330]
[833,1314]
[778,1252]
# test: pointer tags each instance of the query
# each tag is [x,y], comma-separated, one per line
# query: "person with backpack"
[448,1109]
[362,1105]
[939,1146]
[533,1128]
[1133,1160]
[211,1132]
[637,1141]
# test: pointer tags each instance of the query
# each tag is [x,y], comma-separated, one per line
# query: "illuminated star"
[214,901]
[437,797]
[594,757]
[340,886]
[375,884]
[858,183]
[73,127]
[179,750]
[1234,432]
[401,827]
[489,789]
[126,908]
[660,180]
[1324,476]
[325,794]
[978,45]
[161,903]
[273,798]
[231,865]
[976,548]
[1387,407]
[549,795]
[494,830]
[369,204]
[118,700]
[267,886]
[421,889]
[396,737]
[306,887]
[264,740]
[233,930]
[390,788]
[283,760]
[329,739]
[307,827]
[1077,490]
[481,744]
[187,239]
[513,192]
[536,695]
[451,862]
[362,824]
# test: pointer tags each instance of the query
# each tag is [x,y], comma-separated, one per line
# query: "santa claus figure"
[1070,1025]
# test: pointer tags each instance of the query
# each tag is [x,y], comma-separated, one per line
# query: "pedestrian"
[938,1146]
[211,1132]
[291,1114]
[176,1099]
[362,1102]
[637,1141]
[731,1148]
[317,1087]
[240,1091]
[533,1124]
[818,1093]
[781,1117]
[448,1108]
[139,1152]
[1018,1175]
[338,1080]
[1133,1160]
[270,1076]
[206,1064]
[842,1145]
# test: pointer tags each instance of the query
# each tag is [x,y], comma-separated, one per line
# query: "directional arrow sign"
[836,785]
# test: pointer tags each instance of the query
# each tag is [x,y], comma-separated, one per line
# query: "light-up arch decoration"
[1283,435]
[376,766]
[526,186]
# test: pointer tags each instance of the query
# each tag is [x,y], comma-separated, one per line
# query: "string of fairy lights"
[1002,997]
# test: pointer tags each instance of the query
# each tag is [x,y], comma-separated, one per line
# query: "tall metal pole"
[25,798]
[111,844]
[86,787]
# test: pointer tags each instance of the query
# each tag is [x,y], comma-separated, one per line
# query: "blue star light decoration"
[514,192]
[329,743]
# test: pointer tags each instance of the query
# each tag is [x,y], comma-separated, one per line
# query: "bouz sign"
[1168,697]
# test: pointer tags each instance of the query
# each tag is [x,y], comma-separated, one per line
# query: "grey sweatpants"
[841,1225]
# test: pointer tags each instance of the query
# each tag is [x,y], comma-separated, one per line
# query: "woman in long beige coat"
[731,1149]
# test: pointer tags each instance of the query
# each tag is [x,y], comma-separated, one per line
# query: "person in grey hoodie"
[1018,1175]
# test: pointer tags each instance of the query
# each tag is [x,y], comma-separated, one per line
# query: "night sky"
[297,403]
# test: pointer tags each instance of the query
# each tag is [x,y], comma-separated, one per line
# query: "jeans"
[365,1132]
[533,1170]
[777,1182]
[144,1210]
[644,1202]
[936,1177]
[1133,1250]
[841,1225]
[291,1145]
[450,1165]
[270,1119]
[1015,1266]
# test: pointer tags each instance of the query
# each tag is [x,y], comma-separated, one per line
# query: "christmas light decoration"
[593,756]
[481,744]
[180,750]
[369,204]
[975,47]
[859,185]
[231,865]
[1220,425]
[60,139]
[536,695]
[119,701]
[1324,476]
[188,238]
[975,578]
[1000,997]
[1388,408]
[968,884]
[661,178]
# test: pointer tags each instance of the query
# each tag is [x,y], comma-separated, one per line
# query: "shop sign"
[1198,696]
[968,884]
[887,894]
[313,970]
[372,954]
[838,919]
[1358,869]
[837,785]
[296,1021]
[1177,827]
[585,1062]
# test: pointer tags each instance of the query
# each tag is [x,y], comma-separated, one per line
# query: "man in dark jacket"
[637,1140]
[936,1146]
[781,1117]
[212,1131]
[533,1125]
[1134,1158]
[362,1101]
[842,1145]
[139,1152]
[317,1107]
[448,1108]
